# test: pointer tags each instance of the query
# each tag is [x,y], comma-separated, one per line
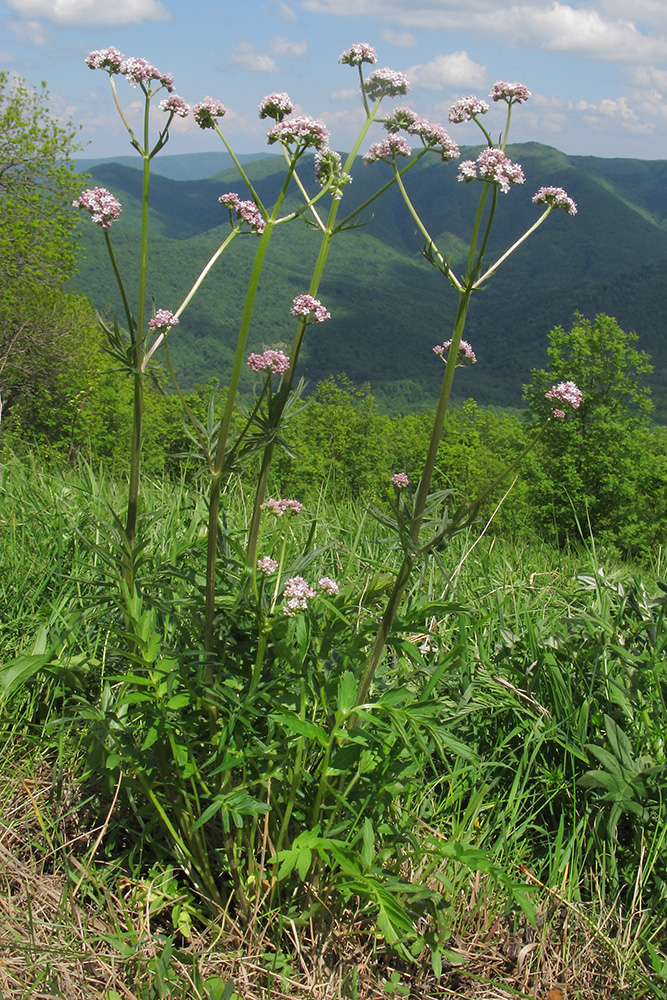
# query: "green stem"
[121,286]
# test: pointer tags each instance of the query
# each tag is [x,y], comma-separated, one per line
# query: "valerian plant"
[237,718]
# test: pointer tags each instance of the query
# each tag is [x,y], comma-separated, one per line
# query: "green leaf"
[347,693]
[18,671]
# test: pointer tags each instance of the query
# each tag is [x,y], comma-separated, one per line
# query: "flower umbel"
[466,352]
[279,507]
[392,145]
[329,171]
[163,321]
[176,105]
[328,585]
[565,392]
[207,111]
[304,305]
[302,130]
[109,59]
[246,211]
[297,594]
[272,361]
[360,52]
[103,207]
[140,71]
[512,93]
[466,108]
[267,565]
[275,106]
[400,480]
[557,197]
[386,83]
[494,166]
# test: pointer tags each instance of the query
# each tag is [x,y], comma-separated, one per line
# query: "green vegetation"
[299,696]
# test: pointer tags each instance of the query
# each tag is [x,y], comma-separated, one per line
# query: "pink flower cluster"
[430,134]
[386,83]
[137,70]
[273,361]
[360,52]
[207,111]
[400,480]
[279,507]
[275,106]
[494,166]
[175,105]
[267,565]
[466,352]
[556,197]
[392,145]
[302,131]
[163,321]
[304,305]
[329,171]
[246,211]
[565,392]
[297,594]
[466,108]
[513,93]
[101,204]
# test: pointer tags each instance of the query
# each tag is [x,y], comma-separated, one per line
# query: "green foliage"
[37,183]
[601,469]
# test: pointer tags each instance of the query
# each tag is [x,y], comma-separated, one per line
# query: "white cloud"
[286,47]
[600,30]
[345,95]
[92,13]
[29,32]
[401,39]
[286,12]
[247,56]
[454,70]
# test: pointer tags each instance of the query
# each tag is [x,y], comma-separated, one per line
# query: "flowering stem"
[446,270]
[121,286]
[255,196]
[188,298]
[511,250]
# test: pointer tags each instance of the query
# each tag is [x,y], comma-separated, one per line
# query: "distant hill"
[389,307]
[178,167]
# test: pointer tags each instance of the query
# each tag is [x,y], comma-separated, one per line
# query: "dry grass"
[66,934]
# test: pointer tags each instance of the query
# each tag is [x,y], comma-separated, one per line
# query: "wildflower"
[140,71]
[304,305]
[558,413]
[273,361]
[328,585]
[163,321]
[494,166]
[386,83]
[267,565]
[302,130]
[360,52]
[466,352]
[565,392]
[392,145]
[101,204]
[298,593]
[246,211]
[557,198]
[275,106]
[400,480]
[329,172]
[207,111]
[513,93]
[176,106]
[279,507]
[109,59]
[466,108]
[437,135]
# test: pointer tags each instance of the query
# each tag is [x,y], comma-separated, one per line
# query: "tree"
[597,466]
[37,184]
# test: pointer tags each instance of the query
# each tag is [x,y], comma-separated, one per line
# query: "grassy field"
[491,824]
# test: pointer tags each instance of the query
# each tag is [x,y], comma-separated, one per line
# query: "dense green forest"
[388,307]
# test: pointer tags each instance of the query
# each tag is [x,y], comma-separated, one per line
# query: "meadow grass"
[530,800]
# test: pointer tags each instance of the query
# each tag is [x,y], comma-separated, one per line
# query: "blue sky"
[597,70]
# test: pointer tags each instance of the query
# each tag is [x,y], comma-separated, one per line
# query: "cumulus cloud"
[287,47]
[29,32]
[454,70]
[401,39]
[286,12]
[247,56]
[91,13]
[599,30]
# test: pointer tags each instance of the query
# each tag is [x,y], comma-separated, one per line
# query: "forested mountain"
[388,306]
